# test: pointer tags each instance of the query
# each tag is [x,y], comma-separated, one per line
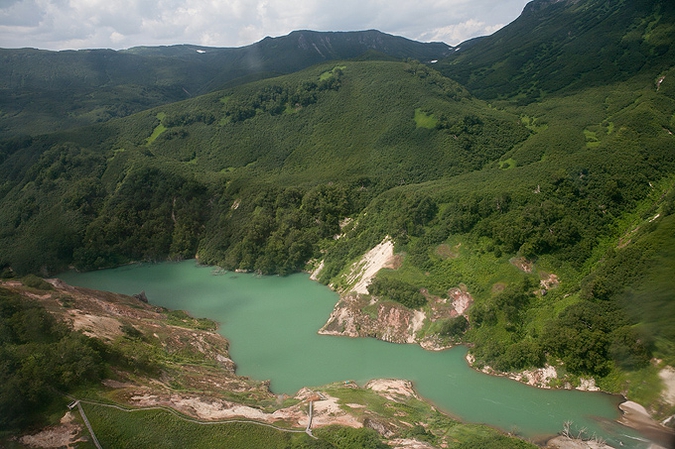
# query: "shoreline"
[345,313]
[659,435]
[499,374]
[637,417]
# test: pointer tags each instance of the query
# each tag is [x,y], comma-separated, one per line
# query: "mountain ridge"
[44,91]
[565,45]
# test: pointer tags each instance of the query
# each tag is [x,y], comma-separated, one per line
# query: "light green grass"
[328,74]
[160,429]
[592,140]
[291,109]
[508,164]
[159,129]
[642,386]
[610,128]
[533,124]
[424,120]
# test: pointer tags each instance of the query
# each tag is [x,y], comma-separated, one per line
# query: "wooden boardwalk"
[309,422]
[86,422]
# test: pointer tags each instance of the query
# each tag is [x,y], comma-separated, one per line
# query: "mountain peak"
[539,5]
[541,51]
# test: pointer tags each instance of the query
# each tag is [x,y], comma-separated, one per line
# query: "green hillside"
[565,46]
[332,131]
[45,91]
[569,171]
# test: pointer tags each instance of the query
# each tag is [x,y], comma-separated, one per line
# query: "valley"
[165,365]
[272,326]
[515,197]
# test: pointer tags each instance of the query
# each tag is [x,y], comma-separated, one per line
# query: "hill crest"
[43,91]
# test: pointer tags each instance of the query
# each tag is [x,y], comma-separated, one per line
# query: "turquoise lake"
[272,323]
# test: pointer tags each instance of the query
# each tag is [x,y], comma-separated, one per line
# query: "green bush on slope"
[39,357]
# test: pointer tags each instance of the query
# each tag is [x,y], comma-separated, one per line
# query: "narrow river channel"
[272,322]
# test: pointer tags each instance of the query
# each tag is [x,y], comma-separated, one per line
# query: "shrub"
[399,291]
[35,282]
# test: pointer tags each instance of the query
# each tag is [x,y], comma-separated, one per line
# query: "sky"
[118,24]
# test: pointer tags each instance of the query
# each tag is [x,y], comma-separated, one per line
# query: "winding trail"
[79,402]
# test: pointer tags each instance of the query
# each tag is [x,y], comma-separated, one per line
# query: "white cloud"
[60,24]
[454,34]
[116,37]
[19,13]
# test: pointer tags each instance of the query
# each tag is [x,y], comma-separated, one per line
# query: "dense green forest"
[45,91]
[41,358]
[548,145]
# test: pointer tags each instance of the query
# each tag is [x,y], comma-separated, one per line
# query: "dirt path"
[187,418]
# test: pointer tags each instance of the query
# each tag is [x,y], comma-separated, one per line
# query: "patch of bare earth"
[637,417]
[393,389]
[326,410]
[667,376]
[363,271]
[522,264]
[200,407]
[549,281]
[96,326]
[354,316]
[445,251]
[461,300]
[498,287]
[314,275]
[66,434]
[407,443]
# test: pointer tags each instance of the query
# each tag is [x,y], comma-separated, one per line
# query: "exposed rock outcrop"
[363,271]
[637,417]
[141,297]
[357,314]
[389,321]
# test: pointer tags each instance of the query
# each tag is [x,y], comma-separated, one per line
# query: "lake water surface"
[272,323]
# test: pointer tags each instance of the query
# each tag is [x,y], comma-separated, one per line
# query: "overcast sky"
[75,24]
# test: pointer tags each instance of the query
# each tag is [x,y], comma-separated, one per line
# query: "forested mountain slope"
[553,211]
[565,46]
[362,126]
[43,91]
